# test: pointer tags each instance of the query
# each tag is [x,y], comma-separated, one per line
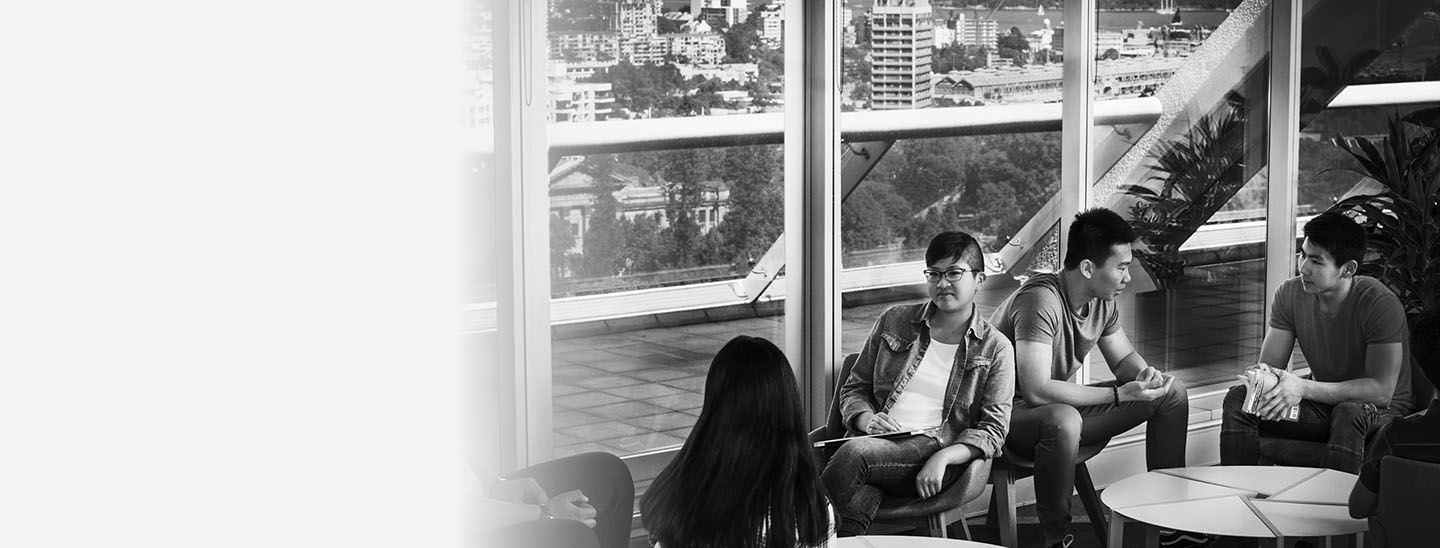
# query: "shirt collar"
[978,328]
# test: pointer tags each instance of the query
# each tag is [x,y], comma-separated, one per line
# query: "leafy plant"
[1199,173]
[1402,222]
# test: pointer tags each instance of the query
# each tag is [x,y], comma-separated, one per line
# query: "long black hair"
[747,476]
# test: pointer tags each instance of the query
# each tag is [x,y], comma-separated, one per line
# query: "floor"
[642,390]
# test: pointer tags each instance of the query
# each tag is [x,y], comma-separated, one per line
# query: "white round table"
[1236,501]
[897,541]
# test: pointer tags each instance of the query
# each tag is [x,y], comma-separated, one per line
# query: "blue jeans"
[1343,428]
[864,470]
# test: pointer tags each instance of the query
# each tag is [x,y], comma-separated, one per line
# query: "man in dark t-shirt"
[1351,330]
[1055,320]
[1415,438]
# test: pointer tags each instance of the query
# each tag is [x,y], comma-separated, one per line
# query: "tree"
[929,170]
[687,173]
[604,235]
[1110,53]
[873,216]
[861,92]
[561,241]
[642,244]
[756,215]
[1013,40]
[741,41]
[996,212]
[854,66]
[957,57]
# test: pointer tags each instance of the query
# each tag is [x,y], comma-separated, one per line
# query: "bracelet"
[545,512]
[1115,393]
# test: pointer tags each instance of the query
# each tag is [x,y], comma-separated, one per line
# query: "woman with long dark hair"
[747,476]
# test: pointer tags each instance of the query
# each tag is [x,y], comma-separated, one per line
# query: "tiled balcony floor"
[642,390]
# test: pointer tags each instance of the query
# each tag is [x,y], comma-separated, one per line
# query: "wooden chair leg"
[965,526]
[937,525]
[992,514]
[1085,486]
[1005,505]
[1117,531]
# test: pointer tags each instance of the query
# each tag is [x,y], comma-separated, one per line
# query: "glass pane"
[650,255]
[1187,169]
[899,191]
[479,260]
[990,186]
[660,252]
[1398,42]
[1325,169]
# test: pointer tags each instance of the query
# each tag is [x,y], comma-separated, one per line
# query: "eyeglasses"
[951,275]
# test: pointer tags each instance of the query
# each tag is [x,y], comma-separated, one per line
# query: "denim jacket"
[982,380]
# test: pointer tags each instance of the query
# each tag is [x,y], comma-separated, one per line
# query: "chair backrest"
[835,425]
[1421,390]
[1407,501]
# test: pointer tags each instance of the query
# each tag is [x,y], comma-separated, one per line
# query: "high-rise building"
[901,44]
[716,11]
[772,23]
[571,101]
[634,19]
[976,31]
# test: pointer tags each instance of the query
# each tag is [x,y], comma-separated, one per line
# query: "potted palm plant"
[1196,176]
[1402,219]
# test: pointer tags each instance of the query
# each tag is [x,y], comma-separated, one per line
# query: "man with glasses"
[1055,321]
[937,377]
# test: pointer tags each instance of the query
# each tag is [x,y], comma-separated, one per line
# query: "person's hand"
[881,423]
[519,490]
[927,482]
[1138,390]
[572,505]
[1151,377]
[1288,391]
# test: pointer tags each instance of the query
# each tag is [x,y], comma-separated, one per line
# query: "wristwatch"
[545,512]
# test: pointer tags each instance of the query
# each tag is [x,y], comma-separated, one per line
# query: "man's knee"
[1177,397]
[604,463]
[1060,422]
[1362,416]
[1234,401]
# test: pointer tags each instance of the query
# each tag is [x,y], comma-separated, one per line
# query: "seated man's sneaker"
[1184,539]
[1064,542]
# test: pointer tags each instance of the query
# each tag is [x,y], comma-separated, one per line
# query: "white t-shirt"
[923,398]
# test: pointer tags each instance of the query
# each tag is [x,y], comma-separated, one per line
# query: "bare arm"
[1121,356]
[1276,349]
[1032,368]
[1382,369]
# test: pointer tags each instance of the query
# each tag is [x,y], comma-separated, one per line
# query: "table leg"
[1152,536]
[1117,530]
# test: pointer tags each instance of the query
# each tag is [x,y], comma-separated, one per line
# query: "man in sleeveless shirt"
[1351,330]
[1055,320]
